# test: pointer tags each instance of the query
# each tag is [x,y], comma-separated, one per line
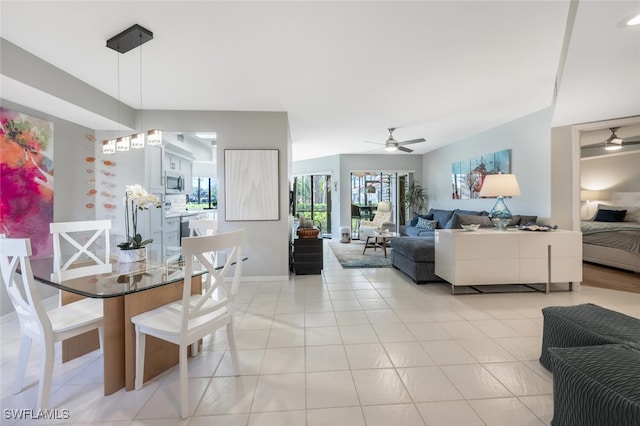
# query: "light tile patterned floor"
[348,347]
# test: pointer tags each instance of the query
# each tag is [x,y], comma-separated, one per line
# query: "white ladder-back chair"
[202,227]
[45,327]
[197,315]
[71,233]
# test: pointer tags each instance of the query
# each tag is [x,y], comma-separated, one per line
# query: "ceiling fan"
[613,142]
[393,145]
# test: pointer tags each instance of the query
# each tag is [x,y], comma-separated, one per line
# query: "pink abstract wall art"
[26,179]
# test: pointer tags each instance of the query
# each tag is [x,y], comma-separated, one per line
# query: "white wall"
[619,173]
[529,139]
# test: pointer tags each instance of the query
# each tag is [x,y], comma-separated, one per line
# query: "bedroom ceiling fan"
[393,145]
[613,142]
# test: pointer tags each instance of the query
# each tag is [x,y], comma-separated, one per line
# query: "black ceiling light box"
[130,38]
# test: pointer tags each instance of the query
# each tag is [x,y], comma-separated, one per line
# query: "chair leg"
[231,338]
[23,359]
[140,350]
[184,382]
[46,374]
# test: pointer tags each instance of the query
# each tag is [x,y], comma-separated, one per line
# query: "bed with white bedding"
[615,244]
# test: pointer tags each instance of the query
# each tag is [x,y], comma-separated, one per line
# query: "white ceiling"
[343,71]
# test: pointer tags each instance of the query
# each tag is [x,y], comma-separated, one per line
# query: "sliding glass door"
[313,200]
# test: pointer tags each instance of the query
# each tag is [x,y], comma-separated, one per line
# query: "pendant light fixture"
[127,40]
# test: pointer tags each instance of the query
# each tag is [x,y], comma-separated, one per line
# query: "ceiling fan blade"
[595,145]
[377,143]
[412,141]
[403,149]
[632,142]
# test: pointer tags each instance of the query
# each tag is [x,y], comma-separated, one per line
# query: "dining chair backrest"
[196,249]
[14,254]
[93,249]
[202,227]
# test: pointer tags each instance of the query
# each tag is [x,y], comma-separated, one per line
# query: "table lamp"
[500,185]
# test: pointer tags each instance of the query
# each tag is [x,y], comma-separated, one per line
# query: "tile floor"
[348,347]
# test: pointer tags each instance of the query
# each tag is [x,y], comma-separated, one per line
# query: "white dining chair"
[45,327]
[187,321]
[86,241]
[202,227]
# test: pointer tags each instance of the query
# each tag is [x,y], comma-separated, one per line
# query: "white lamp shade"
[500,185]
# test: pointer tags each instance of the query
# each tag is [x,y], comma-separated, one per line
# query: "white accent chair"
[36,323]
[82,259]
[381,220]
[187,321]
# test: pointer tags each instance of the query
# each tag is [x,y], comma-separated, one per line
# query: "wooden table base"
[120,338]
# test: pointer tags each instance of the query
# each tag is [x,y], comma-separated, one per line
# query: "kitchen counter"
[171,214]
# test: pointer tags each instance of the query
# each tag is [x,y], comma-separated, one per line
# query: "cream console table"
[488,256]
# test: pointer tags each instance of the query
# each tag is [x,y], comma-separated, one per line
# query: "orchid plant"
[137,198]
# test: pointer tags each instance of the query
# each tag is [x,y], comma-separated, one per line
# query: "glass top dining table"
[117,280]
[126,289]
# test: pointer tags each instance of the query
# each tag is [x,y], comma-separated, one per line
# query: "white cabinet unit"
[155,168]
[489,256]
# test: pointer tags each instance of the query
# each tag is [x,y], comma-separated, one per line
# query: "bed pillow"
[633,213]
[426,223]
[610,215]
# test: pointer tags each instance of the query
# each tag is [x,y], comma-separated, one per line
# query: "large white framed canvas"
[251,185]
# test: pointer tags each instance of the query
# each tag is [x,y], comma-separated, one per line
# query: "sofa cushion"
[473,212]
[417,249]
[463,219]
[527,220]
[442,216]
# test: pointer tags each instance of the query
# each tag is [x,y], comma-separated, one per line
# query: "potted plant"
[137,198]
[416,197]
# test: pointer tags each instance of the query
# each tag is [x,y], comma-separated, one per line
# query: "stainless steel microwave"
[174,183]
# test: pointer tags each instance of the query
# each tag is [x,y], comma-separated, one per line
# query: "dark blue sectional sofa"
[413,254]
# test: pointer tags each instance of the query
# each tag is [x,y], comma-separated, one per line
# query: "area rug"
[350,255]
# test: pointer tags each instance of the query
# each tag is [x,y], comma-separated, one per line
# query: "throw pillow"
[414,221]
[442,216]
[464,219]
[633,212]
[426,223]
[610,215]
